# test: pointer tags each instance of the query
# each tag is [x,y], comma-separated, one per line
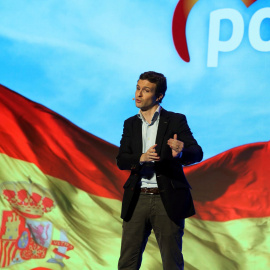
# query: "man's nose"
[140,93]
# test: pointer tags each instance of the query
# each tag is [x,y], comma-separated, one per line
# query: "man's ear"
[159,98]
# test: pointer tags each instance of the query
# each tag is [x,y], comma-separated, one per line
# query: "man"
[154,146]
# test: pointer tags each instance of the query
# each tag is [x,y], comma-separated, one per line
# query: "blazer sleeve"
[192,152]
[126,158]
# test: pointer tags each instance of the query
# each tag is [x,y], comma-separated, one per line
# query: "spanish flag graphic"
[61,191]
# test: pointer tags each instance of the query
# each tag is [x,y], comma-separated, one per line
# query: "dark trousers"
[150,214]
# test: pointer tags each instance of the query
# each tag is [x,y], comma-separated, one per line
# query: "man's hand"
[150,155]
[176,146]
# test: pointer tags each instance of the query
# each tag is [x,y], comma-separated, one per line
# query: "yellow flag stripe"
[93,227]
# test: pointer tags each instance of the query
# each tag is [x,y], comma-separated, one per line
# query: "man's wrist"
[142,159]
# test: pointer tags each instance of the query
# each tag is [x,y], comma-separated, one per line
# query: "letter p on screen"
[215,45]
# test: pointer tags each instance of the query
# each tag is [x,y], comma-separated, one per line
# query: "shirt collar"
[155,116]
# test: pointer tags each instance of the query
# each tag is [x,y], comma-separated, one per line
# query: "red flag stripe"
[234,184]
[231,185]
[33,133]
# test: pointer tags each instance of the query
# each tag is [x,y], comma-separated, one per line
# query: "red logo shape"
[180,16]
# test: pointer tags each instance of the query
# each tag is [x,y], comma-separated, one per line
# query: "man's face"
[145,95]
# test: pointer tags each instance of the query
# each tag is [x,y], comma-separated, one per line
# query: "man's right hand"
[150,155]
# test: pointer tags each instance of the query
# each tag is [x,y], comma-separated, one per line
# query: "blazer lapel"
[137,132]
[162,127]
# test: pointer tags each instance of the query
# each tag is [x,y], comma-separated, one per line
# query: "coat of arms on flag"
[23,235]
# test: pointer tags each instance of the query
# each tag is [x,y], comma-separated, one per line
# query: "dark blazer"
[171,181]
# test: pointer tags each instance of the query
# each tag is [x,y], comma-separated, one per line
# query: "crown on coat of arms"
[26,201]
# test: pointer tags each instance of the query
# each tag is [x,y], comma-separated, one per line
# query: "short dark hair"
[159,79]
